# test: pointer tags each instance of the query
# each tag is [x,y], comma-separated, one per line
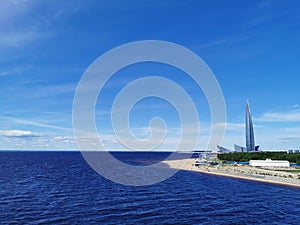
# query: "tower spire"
[250,145]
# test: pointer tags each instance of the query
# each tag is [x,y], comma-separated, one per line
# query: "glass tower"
[250,146]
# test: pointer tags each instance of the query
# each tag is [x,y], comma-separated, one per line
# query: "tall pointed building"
[250,145]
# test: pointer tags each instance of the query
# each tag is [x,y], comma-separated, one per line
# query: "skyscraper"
[250,145]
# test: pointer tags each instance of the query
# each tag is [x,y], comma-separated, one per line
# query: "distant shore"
[240,171]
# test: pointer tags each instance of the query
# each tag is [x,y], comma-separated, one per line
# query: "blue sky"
[45,46]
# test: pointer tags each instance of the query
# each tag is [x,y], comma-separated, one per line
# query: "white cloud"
[171,138]
[18,133]
[64,139]
[230,126]
[290,116]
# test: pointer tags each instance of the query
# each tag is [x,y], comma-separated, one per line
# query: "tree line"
[246,156]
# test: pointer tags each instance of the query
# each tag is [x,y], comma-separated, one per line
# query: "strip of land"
[269,175]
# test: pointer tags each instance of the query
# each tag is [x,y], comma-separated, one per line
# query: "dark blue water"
[60,188]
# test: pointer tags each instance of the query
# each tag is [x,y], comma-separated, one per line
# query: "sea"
[61,188]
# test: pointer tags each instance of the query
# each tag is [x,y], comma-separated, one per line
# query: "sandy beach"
[241,172]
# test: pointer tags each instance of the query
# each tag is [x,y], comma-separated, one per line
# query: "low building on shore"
[291,151]
[269,163]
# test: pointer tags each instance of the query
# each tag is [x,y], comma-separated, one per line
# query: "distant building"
[269,163]
[292,151]
[223,149]
[238,148]
[250,146]
[250,143]
[204,154]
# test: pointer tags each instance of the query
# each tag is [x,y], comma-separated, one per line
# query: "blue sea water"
[61,188]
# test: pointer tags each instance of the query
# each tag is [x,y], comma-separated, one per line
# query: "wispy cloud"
[13,70]
[5,73]
[227,41]
[20,23]
[27,140]
[36,124]
[14,30]
[290,116]
[52,90]
[18,38]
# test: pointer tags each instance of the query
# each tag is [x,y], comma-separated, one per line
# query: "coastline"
[238,172]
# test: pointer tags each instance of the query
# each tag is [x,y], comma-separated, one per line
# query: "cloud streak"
[18,133]
[290,116]
[36,124]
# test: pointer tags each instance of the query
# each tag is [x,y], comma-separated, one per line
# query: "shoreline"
[234,172]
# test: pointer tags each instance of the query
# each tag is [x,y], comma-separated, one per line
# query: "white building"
[270,163]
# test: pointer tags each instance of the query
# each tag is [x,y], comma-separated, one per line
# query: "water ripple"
[60,188]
